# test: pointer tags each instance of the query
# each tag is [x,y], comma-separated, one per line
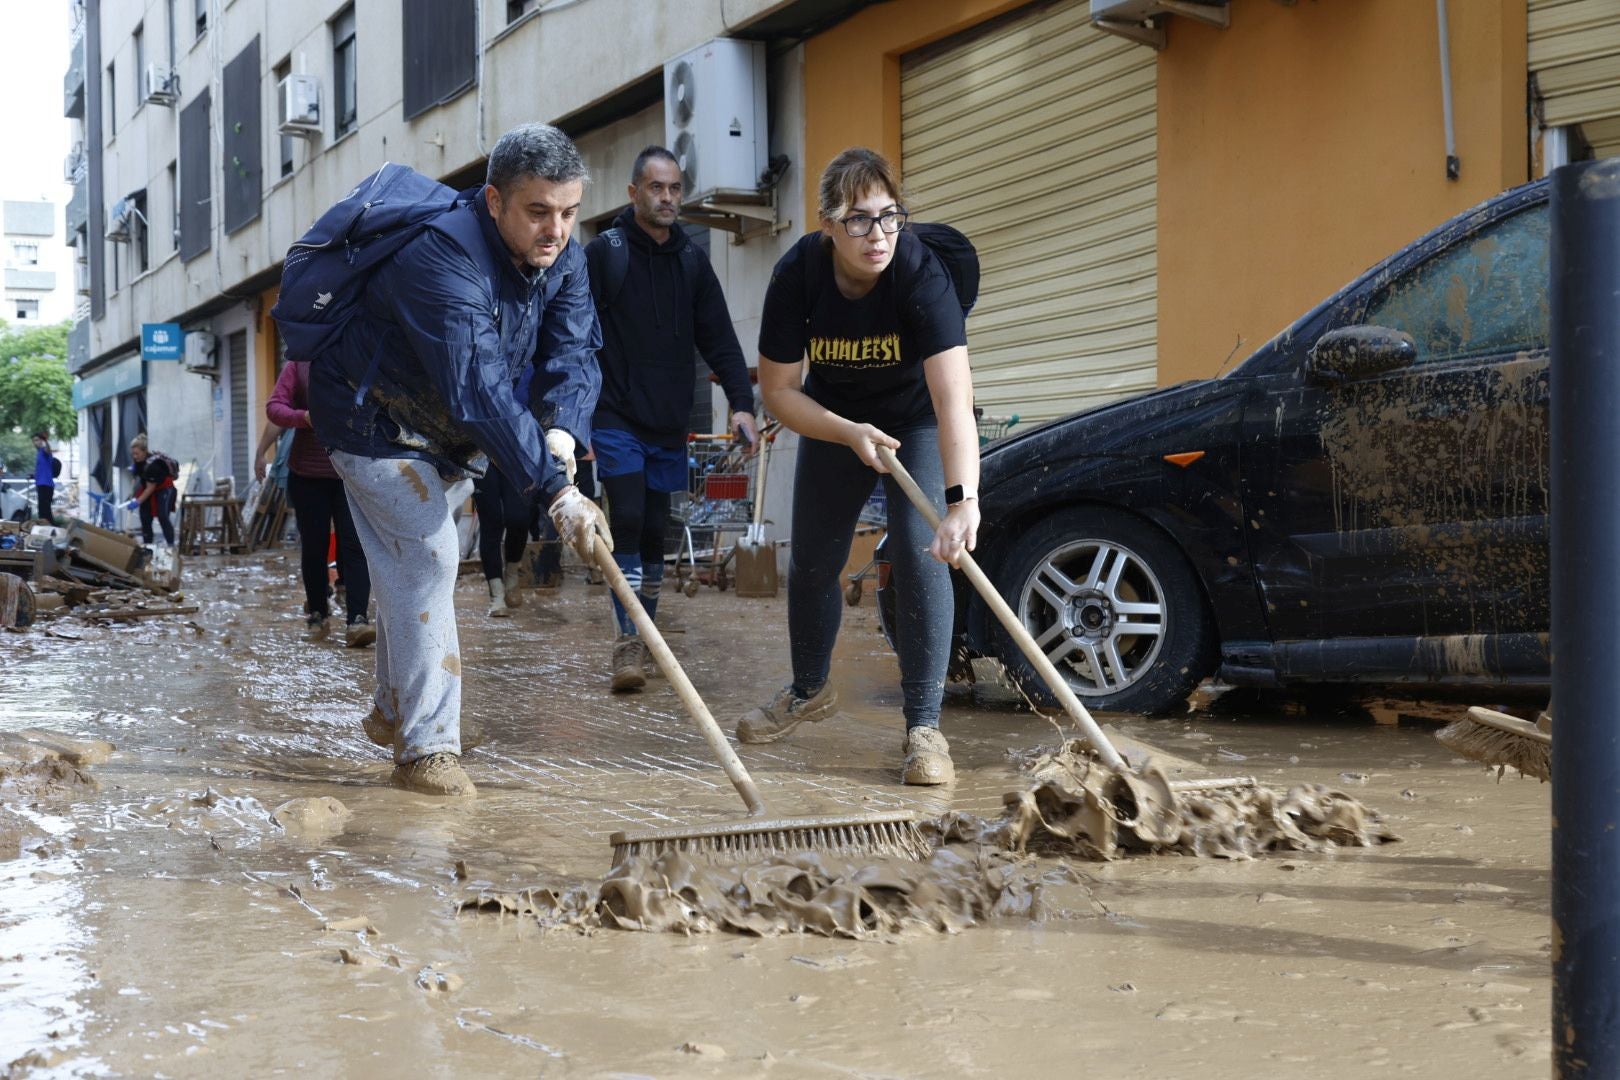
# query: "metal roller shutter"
[236,348]
[1575,60]
[1036,137]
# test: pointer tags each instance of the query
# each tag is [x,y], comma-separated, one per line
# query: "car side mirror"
[1355,352]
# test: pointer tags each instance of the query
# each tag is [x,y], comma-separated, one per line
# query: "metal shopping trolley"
[992,428]
[874,519]
[722,477]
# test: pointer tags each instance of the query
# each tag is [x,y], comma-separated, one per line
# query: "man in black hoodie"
[658,301]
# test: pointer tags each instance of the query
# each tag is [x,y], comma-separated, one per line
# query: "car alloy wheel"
[1097,611]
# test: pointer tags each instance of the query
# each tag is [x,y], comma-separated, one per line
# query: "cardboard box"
[115,549]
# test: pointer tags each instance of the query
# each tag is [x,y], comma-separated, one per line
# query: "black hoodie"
[668,307]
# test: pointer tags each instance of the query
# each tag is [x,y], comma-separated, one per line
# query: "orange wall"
[852,76]
[1306,142]
[264,361]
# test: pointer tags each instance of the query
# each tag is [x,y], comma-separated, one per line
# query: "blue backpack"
[326,271]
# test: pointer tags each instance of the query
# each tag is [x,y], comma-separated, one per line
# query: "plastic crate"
[725,486]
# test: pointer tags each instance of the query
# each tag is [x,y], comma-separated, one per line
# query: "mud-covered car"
[1364,499]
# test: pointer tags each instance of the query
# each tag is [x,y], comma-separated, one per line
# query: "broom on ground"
[852,835]
[1498,739]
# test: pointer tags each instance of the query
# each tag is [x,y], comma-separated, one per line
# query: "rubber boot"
[498,608]
[514,591]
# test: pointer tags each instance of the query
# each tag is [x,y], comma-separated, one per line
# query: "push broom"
[1042,663]
[892,833]
[1497,739]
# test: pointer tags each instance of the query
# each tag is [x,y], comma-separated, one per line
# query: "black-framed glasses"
[890,221]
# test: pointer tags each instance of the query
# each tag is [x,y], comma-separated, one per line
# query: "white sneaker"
[498,607]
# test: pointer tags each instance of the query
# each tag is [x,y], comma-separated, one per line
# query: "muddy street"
[234,889]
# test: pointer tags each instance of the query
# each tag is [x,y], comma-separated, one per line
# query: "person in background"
[503,532]
[319,505]
[154,489]
[45,469]
[660,304]
[872,313]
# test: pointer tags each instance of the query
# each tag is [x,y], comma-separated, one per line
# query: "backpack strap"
[609,263]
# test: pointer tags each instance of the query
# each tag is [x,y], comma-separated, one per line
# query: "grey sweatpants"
[402,511]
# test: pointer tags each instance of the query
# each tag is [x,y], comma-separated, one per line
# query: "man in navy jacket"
[477,325]
[659,302]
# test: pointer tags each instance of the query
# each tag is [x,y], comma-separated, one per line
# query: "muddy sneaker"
[377,727]
[786,711]
[315,628]
[498,607]
[360,633]
[436,774]
[629,654]
[928,758]
[514,591]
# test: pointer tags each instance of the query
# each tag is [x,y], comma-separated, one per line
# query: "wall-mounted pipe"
[1453,165]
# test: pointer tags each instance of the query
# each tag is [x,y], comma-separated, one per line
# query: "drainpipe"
[1453,166]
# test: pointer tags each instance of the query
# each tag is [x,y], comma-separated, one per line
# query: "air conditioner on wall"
[120,221]
[714,115]
[299,98]
[202,351]
[160,85]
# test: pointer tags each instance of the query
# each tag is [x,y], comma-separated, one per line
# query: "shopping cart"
[992,428]
[718,503]
[874,519]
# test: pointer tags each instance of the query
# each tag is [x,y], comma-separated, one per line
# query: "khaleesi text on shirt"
[867,352]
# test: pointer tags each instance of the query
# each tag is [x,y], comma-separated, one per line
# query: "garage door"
[1575,62]
[1036,137]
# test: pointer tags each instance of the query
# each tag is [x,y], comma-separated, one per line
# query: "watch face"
[953,494]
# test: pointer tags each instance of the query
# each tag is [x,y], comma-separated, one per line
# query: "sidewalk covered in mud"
[205,871]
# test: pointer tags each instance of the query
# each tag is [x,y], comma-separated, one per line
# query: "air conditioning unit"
[300,105]
[202,351]
[160,85]
[73,166]
[120,222]
[714,116]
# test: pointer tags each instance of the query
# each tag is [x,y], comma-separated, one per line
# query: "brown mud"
[167,925]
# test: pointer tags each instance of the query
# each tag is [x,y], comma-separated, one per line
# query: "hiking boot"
[360,633]
[381,732]
[315,628]
[928,758]
[629,654]
[437,774]
[514,591]
[786,711]
[498,607]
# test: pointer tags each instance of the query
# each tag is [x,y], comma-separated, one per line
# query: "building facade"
[1151,201]
[31,242]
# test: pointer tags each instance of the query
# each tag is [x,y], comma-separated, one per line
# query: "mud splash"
[980,869]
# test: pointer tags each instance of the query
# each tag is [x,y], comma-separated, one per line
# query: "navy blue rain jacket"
[456,354]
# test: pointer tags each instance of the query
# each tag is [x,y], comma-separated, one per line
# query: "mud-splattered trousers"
[402,511]
[830,485]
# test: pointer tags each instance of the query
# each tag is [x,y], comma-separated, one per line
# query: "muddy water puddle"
[164,925]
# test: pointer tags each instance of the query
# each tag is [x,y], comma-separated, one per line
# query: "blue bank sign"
[162,341]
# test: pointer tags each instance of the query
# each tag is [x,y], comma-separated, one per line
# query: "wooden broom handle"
[992,598]
[729,761]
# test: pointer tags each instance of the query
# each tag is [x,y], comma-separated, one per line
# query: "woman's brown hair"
[852,174]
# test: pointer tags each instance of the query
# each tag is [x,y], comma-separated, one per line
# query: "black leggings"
[503,522]
[830,485]
[318,504]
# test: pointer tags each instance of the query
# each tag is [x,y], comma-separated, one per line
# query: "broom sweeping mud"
[855,835]
[1054,680]
[1498,739]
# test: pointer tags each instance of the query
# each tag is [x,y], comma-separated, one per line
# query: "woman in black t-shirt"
[873,315]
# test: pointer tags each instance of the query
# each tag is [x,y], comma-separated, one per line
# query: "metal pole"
[1585,384]
[1453,165]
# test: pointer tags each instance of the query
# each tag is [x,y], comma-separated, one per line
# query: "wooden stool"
[202,533]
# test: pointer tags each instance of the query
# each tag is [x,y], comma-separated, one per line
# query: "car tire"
[1115,572]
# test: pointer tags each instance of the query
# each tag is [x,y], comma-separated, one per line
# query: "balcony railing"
[75,164]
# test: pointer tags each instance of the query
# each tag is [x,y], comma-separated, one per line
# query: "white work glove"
[580,523]
[561,445]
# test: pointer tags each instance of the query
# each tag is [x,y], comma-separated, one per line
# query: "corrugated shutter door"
[1575,59]
[237,353]
[1037,139]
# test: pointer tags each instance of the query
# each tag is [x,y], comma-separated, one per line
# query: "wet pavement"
[163,925]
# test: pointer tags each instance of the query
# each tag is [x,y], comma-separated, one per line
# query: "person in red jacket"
[319,503]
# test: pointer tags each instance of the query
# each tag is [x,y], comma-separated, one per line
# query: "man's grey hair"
[535,150]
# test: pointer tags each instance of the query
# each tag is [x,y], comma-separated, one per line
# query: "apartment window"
[140,65]
[116,262]
[140,246]
[285,154]
[27,310]
[242,121]
[344,84]
[174,205]
[112,100]
[25,254]
[201,9]
[196,194]
[168,22]
[516,9]
[440,51]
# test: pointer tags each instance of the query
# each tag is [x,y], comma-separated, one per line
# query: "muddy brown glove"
[580,523]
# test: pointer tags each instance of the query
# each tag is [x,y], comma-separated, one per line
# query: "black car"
[1364,499]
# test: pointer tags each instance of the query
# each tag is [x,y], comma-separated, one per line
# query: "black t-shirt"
[866,355]
[154,470]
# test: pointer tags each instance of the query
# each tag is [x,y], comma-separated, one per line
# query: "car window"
[1487,295]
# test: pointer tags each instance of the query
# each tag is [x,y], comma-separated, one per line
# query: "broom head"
[1500,740]
[894,833]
